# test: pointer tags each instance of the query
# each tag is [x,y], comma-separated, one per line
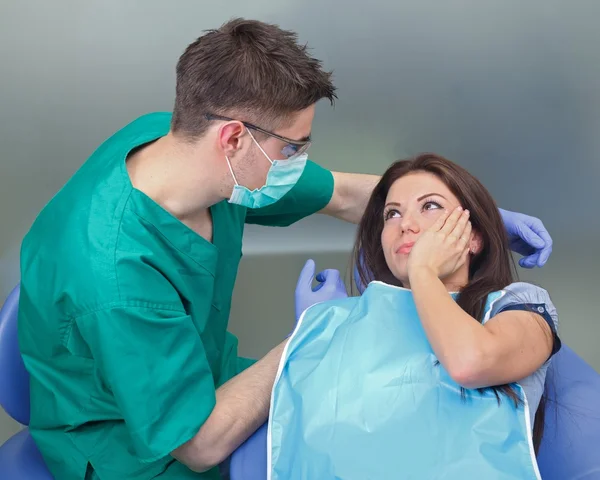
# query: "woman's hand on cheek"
[443,248]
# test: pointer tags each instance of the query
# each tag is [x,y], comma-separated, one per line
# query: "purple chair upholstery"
[570,447]
[19,457]
[14,379]
[249,461]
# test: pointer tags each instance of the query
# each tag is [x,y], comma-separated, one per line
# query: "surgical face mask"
[281,178]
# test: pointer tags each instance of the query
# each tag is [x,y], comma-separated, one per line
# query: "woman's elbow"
[467,377]
[469,369]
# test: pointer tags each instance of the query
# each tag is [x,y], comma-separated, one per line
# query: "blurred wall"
[509,89]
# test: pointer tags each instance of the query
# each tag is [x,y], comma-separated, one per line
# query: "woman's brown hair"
[490,270]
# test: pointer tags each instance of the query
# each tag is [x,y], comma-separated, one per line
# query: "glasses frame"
[302,145]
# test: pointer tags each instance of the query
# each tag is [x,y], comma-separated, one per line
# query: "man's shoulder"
[152,125]
[69,255]
[99,189]
[84,262]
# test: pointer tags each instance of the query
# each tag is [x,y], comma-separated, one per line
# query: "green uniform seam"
[171,243]
[130,304]
[68,328]
[119,227]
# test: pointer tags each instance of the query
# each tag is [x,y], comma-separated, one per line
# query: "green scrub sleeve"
[311,194]
[154,362]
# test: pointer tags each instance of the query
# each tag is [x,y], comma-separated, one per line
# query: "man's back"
[110,316]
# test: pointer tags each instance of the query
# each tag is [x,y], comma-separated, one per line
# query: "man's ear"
[476,243]
[230,137]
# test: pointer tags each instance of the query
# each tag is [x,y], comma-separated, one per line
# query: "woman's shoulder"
[523,296]
[526,297]
[526,290]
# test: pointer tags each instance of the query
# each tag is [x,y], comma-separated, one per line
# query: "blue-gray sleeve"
[527,297]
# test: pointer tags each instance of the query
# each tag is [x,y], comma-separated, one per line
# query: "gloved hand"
[528,237]
[330,287]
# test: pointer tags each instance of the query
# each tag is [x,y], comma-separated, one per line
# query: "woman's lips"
[405,248]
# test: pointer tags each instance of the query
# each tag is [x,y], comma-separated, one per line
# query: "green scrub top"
[123,315]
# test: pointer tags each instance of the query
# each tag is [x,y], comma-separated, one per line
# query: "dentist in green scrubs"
[128,272]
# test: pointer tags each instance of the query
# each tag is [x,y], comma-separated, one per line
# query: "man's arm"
[351,193]
[242,404]
[242,407]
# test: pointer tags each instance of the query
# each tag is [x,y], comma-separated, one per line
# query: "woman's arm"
[508,348]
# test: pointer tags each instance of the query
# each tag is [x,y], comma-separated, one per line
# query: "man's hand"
[331,286]
[528,237]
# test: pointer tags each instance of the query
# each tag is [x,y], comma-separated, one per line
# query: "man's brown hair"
[248,70]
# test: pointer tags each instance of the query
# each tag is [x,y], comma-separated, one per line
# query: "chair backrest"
[571,443]
[14,379]
[249,461]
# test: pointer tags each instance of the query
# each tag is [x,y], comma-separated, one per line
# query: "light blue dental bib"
[358,396]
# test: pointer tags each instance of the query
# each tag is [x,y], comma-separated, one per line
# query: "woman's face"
[413,204]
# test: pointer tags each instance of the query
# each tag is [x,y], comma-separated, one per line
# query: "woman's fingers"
[455,228]
[464,256]
[465,238]
[456,224]
[461,224]
[451,221]
[441,221]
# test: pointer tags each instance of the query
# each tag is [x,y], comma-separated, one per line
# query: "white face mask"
[281,178]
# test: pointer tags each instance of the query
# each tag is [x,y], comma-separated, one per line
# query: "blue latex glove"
[528,237]
[330,287]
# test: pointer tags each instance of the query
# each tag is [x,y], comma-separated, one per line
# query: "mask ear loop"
[258,145]
[231,170]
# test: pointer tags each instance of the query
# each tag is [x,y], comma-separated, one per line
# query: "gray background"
[509,89]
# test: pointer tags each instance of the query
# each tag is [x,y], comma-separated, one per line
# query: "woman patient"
[438,369]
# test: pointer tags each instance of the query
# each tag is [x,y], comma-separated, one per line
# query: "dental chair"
[570,448]
[19,457]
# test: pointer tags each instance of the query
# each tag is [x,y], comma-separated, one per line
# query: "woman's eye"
[392,214]
[431,206]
